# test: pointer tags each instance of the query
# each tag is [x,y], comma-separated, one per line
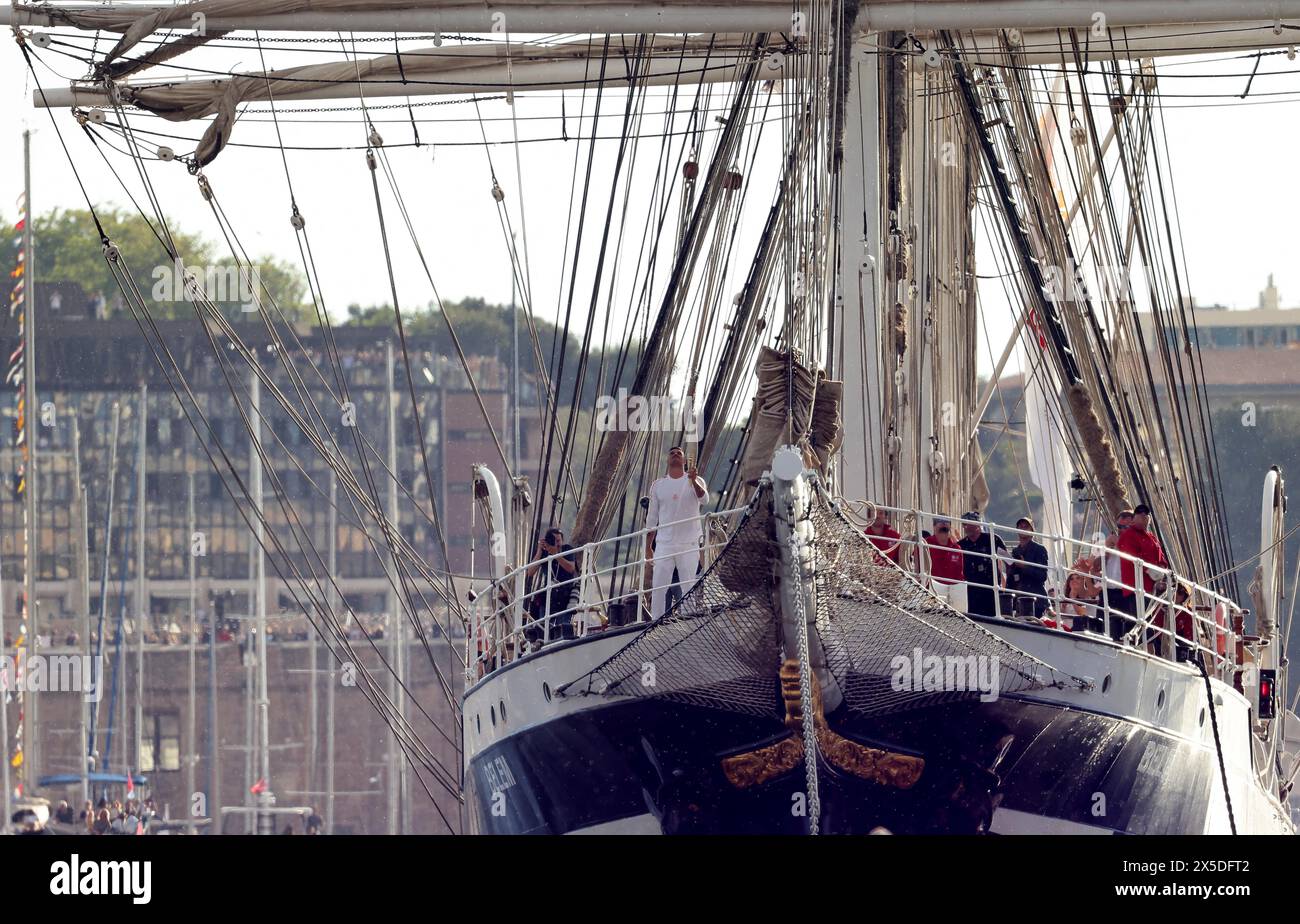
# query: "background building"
[86,365]
[1250,362]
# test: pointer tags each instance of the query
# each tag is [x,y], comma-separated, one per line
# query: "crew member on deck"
[1113,568]
[883,536]
[983,571]
[676,497]
[1140,543]
[1028,573]
[945,554]
[562,583]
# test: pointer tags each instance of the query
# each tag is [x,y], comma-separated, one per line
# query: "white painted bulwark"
[1127,684]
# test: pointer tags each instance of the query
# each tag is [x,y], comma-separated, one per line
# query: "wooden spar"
[666,16]
[520,75]
[524,75]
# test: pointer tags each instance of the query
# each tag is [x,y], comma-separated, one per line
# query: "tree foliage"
[68,249]
[484,330]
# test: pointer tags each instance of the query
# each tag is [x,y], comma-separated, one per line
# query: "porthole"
[1160,700]
[502,705]
[492,712]
[1105,684]
[546,691]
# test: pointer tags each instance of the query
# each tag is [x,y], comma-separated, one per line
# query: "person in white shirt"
[675,497]
[1112,569]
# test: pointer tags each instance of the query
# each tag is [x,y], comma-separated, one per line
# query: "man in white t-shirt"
[673,544]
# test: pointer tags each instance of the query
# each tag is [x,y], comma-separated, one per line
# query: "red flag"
[258,788]
[130,784]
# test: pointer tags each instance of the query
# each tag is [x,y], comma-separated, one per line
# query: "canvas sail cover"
[468,68]
[815,419]
[1050,468]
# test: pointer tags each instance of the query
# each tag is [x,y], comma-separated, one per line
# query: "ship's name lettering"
[498,775]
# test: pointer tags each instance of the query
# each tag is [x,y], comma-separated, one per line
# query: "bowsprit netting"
[891,643]
[721,645]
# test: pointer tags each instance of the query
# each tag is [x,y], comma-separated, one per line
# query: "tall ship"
[791,234]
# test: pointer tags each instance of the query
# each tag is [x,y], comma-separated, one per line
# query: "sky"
[1232,163]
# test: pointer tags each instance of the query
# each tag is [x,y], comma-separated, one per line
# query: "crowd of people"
[105,817]
[1097,592]
[134,817]
[1017,583]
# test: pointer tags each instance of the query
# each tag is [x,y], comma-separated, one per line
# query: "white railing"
[611,585]
[1177,619]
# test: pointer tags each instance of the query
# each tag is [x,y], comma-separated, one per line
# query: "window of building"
[59,487]
[165,486]
[161,742]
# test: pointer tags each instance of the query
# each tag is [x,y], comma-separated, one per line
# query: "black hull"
[658,758]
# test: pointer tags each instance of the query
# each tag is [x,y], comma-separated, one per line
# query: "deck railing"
[610,585]
[1177,619]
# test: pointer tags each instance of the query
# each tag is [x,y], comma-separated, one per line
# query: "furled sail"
[1049,465]
[814,420]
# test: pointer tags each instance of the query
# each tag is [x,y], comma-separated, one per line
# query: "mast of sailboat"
[191,758]
[331,677]
[263,696]
[313,706]
[141,588]
[213,775]
[103,582]
[514,375]
[397,779]
[249,628]
[31,744]
[5,686]
[83,578]
[858,332]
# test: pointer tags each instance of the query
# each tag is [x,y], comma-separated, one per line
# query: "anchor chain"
[806,692]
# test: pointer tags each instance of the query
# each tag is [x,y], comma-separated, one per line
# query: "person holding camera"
[559,588]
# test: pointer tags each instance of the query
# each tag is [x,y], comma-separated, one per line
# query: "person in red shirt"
[883,536]
[945,554]
[1141,544]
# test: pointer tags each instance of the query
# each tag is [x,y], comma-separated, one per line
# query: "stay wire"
[122,281]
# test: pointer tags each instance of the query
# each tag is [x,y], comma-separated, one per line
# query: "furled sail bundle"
[814,419]
[467,68]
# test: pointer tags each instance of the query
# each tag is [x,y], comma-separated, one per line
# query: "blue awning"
[67,779]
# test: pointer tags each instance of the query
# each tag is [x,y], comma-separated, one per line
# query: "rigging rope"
[139,309]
